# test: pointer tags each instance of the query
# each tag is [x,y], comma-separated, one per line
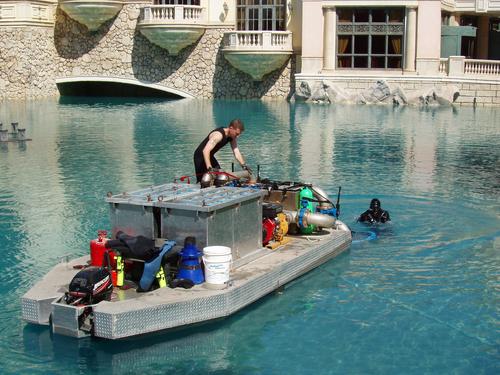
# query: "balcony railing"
[482,67]
[460,66]
[443,66]
[259,40]
[257,53]
[173,14]
[27,13]
[172,27]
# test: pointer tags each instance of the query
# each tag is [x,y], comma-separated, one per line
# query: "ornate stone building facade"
[361,51]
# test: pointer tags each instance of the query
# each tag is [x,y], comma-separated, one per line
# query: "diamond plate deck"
[131,313]
[168,308]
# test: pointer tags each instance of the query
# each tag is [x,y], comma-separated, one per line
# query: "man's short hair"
[237,124]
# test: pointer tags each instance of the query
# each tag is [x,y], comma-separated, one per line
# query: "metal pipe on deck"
[320,220]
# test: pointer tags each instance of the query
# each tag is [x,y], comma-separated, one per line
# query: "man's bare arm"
[236,152]
[213,139]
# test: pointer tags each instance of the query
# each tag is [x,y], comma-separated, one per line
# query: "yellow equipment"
[119,270]
[280,232]
[160,276]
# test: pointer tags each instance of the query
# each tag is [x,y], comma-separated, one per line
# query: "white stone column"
[411,38]
[329,37]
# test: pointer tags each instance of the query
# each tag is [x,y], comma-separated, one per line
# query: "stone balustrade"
[460,66]
[27,13]
[259,40]
[173,14]
[482,67]
[443,66]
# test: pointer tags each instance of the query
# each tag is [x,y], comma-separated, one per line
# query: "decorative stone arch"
[63,83]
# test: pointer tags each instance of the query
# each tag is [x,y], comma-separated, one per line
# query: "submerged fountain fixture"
[4,136]
[21,134]
[17,134]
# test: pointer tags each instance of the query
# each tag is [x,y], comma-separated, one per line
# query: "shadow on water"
[110,101]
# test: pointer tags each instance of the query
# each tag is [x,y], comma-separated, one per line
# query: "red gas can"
[98,250]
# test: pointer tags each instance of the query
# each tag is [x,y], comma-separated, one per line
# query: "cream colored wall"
[428,36]
[219,15]
[312,36]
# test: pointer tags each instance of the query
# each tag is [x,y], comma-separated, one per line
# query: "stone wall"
[415,91]
[27,63]
[31,59]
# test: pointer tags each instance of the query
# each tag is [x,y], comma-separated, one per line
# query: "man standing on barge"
[204,159]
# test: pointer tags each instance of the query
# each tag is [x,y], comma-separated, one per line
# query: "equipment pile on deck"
[179,255]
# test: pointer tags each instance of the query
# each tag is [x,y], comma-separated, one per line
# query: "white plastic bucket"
[217,260]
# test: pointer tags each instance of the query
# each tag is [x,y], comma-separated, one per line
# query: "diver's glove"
[247,168]
[212,170]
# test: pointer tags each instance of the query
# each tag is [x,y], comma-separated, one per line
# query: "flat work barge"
[224,216]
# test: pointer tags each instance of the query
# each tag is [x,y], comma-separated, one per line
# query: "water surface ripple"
[421,298]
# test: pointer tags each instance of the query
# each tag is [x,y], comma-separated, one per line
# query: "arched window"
[261,15]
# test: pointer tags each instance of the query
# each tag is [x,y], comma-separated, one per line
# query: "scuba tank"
[304,205]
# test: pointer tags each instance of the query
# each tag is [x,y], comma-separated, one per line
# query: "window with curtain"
[370,38]
[261,15]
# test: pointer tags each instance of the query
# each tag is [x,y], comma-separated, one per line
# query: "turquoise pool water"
[421,298]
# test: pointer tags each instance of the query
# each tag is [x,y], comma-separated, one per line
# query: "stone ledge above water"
[347,90]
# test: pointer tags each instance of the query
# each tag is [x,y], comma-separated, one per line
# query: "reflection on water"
[419,298]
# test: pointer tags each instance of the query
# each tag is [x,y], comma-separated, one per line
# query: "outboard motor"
[91,285]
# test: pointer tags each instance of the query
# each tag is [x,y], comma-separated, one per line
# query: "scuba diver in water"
[204,159]
[375,214]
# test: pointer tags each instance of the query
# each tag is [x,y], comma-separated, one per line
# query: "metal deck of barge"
[131,313]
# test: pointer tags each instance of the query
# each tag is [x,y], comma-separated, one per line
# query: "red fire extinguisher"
[98,251]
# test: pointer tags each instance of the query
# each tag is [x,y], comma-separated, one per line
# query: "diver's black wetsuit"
[374,216]
[199,162]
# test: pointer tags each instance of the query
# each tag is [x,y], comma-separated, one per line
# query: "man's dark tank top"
[218,146]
